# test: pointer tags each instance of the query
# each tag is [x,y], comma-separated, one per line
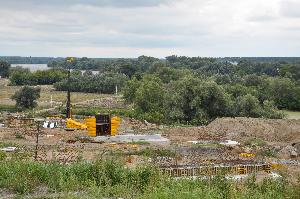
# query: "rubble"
[9,149]
[288,152]
[230,143]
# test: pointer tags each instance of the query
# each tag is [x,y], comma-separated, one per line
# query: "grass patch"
[255,142]
[8,144]
[292,114]
[139,142]
[110,179]
[8,108]
[268,153]
[19,136]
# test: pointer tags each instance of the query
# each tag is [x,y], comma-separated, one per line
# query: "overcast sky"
[129,28]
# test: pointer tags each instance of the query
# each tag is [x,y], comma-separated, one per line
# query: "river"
[35,67]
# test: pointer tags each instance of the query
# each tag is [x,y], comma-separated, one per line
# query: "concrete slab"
[155,139]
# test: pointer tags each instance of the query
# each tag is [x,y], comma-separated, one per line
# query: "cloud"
[290,8]
[122,28]
[98,3]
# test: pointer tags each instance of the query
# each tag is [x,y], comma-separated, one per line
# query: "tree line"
[194,99]
[20,76]
[182,89]
[92,83]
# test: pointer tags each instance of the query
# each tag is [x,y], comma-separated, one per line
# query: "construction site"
[231,146]
[236,148]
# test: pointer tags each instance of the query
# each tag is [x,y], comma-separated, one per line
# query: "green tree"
[26,97]
[213,99]
[4,68]
[149,99]
[284,93]
[193,100]
[271,111]
[130,89]
[248,106]
[128,69]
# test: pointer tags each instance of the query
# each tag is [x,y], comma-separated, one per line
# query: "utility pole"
[38,122]
[68,113]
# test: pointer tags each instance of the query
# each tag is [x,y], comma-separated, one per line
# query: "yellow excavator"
[98,125]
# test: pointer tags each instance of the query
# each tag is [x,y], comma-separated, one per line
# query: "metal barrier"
[215,170]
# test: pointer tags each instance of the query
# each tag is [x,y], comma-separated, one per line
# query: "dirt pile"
[239,129]
[266,129]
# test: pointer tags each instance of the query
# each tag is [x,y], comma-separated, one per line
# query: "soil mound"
[240,129]
[266,129]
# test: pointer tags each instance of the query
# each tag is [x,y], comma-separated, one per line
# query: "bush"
[4,69]
[21,77]
[26,97]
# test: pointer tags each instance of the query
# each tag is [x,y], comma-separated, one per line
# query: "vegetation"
[195,100]
[8,108]
[292,114]
[255,142]
[26,97]
[95,110]
[111,179]
[186,90]
[100,83]
[4,69]
[20,76]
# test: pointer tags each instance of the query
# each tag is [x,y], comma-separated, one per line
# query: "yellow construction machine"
[97,125]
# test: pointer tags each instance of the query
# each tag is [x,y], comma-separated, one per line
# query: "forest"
[180,89]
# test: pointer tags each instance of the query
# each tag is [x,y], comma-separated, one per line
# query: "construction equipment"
[98,125]
[102,125]
[72,124]
[247,155]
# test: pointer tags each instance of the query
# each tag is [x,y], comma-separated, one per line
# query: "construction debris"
[9,149]
[230,143]
[288,152]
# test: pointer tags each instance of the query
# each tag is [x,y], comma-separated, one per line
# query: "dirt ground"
[274,139]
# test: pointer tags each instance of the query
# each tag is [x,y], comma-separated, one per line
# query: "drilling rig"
[98,125]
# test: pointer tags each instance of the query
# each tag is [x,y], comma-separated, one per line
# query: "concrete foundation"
[155,139]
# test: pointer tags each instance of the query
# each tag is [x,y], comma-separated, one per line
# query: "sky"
[159,28]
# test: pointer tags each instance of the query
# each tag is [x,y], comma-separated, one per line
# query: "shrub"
[26,97]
